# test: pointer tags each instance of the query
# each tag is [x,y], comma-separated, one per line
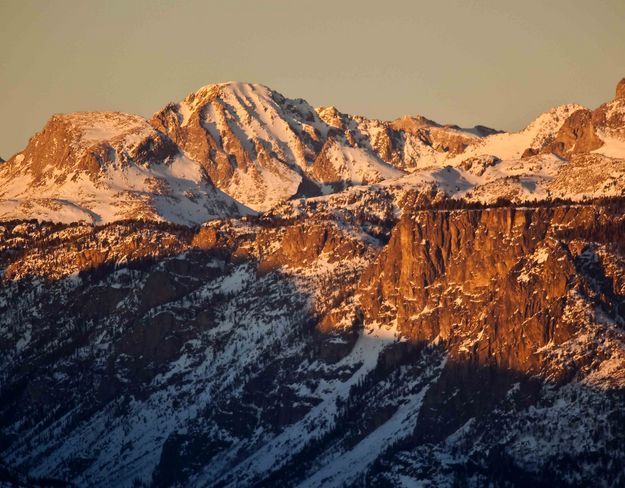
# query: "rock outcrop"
[577,135]
[88,142]
[470,278]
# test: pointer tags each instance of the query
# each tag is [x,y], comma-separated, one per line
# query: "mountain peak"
[413,122]
[233,85]
[91,140]
[237,88]
[262,149]
[94,127]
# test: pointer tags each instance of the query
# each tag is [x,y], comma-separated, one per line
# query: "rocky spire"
[620,90]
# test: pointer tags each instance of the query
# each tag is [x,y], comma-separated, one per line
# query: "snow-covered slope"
[553,157]
[508,145]
[486,179]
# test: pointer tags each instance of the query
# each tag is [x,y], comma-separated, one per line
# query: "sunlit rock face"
[620,90]
[470,278]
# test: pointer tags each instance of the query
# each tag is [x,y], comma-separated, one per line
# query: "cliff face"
[577,135]
[90,142]
[499,286]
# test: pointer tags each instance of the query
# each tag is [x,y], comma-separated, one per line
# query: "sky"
[496,63]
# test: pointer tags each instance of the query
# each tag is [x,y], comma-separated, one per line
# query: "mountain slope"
[568,152]
[314,352]
[419,321]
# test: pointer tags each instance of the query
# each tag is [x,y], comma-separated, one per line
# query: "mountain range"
[237,149]
[245,290]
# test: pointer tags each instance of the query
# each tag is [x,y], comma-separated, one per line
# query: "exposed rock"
[87,142]
[412,123]
[478,165]
[529,152]
[577,135]
[484,131]
[437,277]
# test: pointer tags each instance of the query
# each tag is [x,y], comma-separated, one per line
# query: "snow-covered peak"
[83,131]
[234,93]
[90,141]
[232,87]
[262,148]
[229,89]
[105,166]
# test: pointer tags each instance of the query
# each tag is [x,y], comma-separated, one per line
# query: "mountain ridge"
[248,148]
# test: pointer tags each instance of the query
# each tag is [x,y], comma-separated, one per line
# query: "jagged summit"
[231,90]
[101,125]
[232,85]
[263,148]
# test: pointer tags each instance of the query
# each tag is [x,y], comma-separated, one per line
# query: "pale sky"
[497,63]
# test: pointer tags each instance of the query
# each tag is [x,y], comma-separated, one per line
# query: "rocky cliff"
[501,286]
